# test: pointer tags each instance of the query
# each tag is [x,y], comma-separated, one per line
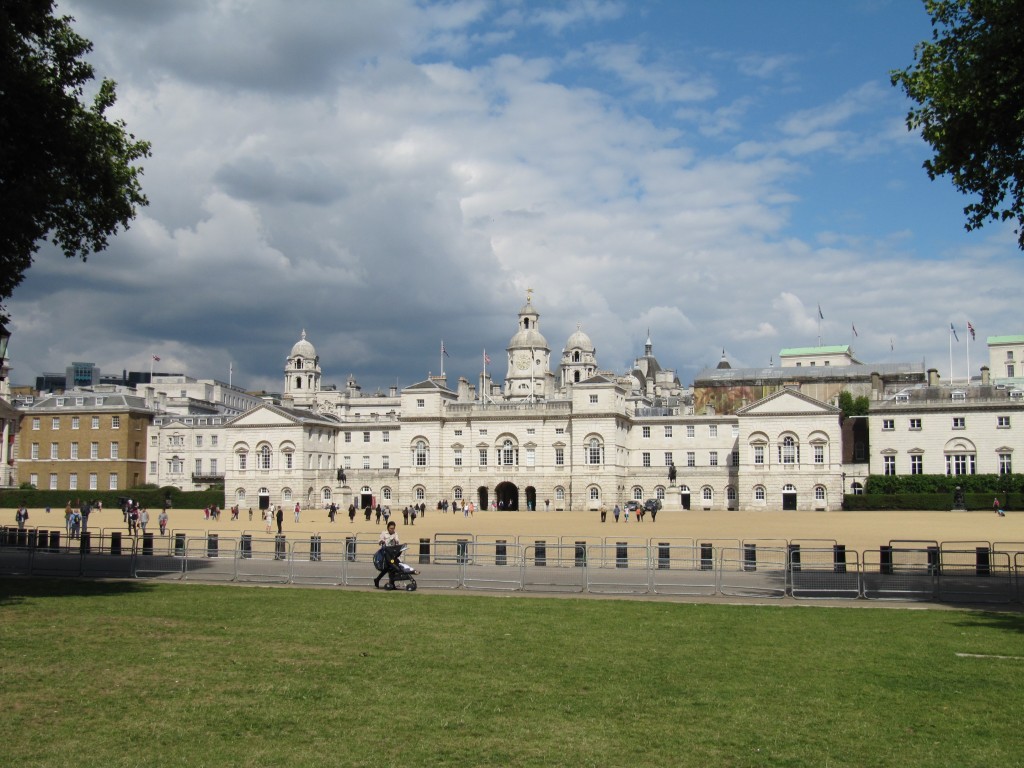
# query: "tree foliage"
[67,173]
[853,406]
[969,83]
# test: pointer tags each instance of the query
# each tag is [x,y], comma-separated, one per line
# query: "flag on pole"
[443,350]
[970,329]
[820,316]
[953,331]
[156,358]
[854,327]
[487,358]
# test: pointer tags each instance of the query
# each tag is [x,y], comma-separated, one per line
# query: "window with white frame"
[366,437]
[959,422]
[385,462]
[199,467]
[94,481]
[645,458]
[1005,463]
[94,450]
[668,458]
[916,464]
[74,450]
[713,458]
[595,493]
[758,454]
[508,456]
[730,493]
[559,493]
[55,423]
[420,453]
[819,493]
[366,462]
[638,493]
[73,481]
[458,457]
[482,457]
[594,451]
[593,399]
[264,455]
[33,480]
[707,494]
[457,493]
[421,494]
[645,432]
[559,457]
[960,464]
[1002,422]
[385,436]
[531,457]
[386,493]
[242,457]
[668,431]
[54,450]
[115,451]
[888,465]
[115,422]
[819,454]
[53,481]
[348,437]
[95,424]
[35,424]
[789,451]
[75,422]
[213,466]
[691,458]
[915,424]
[712,430]
[888,425]
[34,451]
[691,430]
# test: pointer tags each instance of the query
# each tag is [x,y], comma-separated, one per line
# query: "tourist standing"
[21,516]
[162,520]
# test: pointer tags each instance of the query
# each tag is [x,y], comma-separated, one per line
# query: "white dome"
[580,340]
[528,339]
[303,348]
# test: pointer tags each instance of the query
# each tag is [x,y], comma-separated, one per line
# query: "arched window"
[240,495]
[264,457]
[286,494]
[386,493]
[419,454]
[509,454]
[707,493]
[789,451]
[576,356]
[457,493]
[819,493]
[325,496]
[298,382]
[638,493]
[559,493]
[595,452]
[420,493]
[759,493]
[595,493]
[730,493]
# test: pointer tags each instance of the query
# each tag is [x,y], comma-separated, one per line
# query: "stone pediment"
[787,401]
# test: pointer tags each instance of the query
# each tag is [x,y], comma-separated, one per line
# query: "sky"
[733,176]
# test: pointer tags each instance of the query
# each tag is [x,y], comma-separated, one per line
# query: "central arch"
[507,495]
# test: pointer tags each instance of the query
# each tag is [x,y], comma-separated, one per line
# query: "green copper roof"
[842,349]
[1005,339]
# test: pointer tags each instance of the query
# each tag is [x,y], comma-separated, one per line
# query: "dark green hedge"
[902,484]
[147,497]
[931,501]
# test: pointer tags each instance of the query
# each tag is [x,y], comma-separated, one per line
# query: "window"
[559,430]
[385,436]
[458,433]
[242,456]
[508,455]
[115,451]
[263,458]
[458,457]
[33,480]
[668,431]
[638,493]
[95,425]
[819,493]
[199,467]
[346,462]
[35,424]
[55,423]
[420,493]
[73,481]
[691,458]
[75,422]
[594,451]
[559,493]
[115,422]
[819,454]
[366,437]
[915,425]
[348,437]
[53,481]
[199,441]
[593,399]
[559,457]
[713,458]
[483,432]
[54,451]
[759,493]
[645,458]
[759,454]
[482,459]
[668,458]
[888,424]
[646,432]
[1010,371]
[385,462]
[35,451]
[959,422]
[94,450]
[289,460]
[917,464]
[735,458]
[213,466]
[595,493]
[152,441]
[1002,422]
[712,430]
[691,430]
[420,454]
[789,452]
[213,441]
[707,493]
[531,457]
[386,493]
[94,481]
[960,464]
[421,403]
[889,464]
[366,462]
[74,450]
[1005,464]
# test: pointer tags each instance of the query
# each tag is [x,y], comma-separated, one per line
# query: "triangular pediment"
[268,415]
[786,401]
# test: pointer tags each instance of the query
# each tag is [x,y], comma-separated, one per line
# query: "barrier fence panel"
[494,565]
[1018,569]
[549,567]
[826,572]
[359,569]
[621,568]
[677,569]
[108,556]
[158,559]
[316,560]
[452,552]
[209,558]
[889,573]
[979,575]
[15,555]
[753,571]
[264,560]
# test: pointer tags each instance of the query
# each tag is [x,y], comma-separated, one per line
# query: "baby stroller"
[388,560]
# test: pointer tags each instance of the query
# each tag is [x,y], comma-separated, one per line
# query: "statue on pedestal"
[958,499]
[672,472]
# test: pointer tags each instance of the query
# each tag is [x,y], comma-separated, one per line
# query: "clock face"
[522,360]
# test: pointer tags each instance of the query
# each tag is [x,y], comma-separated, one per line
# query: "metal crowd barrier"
[957,571]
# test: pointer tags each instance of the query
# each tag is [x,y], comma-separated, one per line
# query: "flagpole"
[950,354]
[970,328]
[442,358]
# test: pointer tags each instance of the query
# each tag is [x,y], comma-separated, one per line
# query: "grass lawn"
[143,674]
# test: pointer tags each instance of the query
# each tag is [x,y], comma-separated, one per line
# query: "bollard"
[22,537]
[350,548]
[664,555]
[839,558]
[501,552]
[147,544]
[794,557]
[581,554]
[85,542]
[42,538]
[885,559]
[55,541]
[982,564]
[540,553]
[750,557]
[115,543]
[462,551]
[314,548]
[179,545]
[707,557]
[245,545]
[621,554]
[212,545]
[280,547]
[424,551]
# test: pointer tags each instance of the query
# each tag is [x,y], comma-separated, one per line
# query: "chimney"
[985,380]
[933,377]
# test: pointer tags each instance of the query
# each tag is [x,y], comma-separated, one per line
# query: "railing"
[953,572]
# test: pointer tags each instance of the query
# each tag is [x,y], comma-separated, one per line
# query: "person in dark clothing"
[280,518]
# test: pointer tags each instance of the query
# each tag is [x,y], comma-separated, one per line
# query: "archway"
[684,496]
[508,495]
[789,497]
[531,498]
[482,498]
[264,498]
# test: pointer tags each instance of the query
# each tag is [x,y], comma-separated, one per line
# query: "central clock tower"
[529,357]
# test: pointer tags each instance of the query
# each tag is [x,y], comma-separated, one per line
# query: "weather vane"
[529,296]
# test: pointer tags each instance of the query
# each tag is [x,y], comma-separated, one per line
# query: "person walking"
[280,519]
[997,507]
[162,521]
[21,516]
[297,510]
[144,519]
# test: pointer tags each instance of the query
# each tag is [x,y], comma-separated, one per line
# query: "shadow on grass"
[14,590]
[1009,621]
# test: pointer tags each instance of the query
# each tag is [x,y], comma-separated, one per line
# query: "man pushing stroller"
[388,561]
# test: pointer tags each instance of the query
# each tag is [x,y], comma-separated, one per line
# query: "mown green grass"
[139,674]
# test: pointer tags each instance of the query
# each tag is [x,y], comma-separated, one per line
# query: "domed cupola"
[529,356]
[302,372]
[579,360]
